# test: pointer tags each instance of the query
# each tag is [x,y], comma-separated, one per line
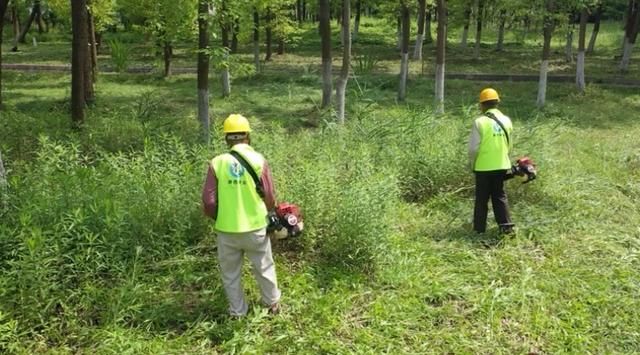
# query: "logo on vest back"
[236,170]
[496,128]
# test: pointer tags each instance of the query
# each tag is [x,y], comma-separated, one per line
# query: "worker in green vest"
[489,147]
[237,194]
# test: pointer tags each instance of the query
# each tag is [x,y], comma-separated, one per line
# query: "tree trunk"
[325,36]
[80,52]
[546,51]
[89,93]
[98,42]
[580,81]
[503,18]
[404,53]
[526,24]
[168,55]
[304,9]
[89,73]
[417,50]
[476,52]
[440,55]
[341,87]
[3,172]
[356,24]
[34,11]
[299,16]
[226,77]
[568,49]
[399,32]
[281,46]
[596,29]
[269,36]
[38,19]
[3,10]
[203,68]
[15,19]
[256,40]
[631,33]
[465,30]
[234,36]
[93,45]
[428,38]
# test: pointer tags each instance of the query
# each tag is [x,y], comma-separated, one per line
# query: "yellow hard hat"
[236,123]
[489,94]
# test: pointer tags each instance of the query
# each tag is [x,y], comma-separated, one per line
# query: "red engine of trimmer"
[286,221]
[525,167]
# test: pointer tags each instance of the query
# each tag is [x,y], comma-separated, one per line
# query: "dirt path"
[609,81]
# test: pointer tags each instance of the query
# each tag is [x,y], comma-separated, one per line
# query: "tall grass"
[103,246]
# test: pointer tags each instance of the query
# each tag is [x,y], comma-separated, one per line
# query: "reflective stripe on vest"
[240,208]
[493,153]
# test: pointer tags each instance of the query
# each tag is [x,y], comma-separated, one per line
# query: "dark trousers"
[490,184]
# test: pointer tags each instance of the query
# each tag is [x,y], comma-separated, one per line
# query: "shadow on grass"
[490,239]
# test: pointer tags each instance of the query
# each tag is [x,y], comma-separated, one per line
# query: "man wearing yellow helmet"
[238,193]
[489,147]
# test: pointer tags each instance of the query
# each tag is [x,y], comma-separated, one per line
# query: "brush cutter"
[286,221]
[523,167]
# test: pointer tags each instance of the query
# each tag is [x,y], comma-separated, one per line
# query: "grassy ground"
[103,248]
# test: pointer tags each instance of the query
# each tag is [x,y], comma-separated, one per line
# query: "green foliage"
[9,339]
[120,55]
[365,63]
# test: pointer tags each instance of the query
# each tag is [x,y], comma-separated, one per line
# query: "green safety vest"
[493,153]
[240,208]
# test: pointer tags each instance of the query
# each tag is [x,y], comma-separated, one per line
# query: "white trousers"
[257,247]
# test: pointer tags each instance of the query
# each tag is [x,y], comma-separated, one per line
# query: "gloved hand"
[273,222]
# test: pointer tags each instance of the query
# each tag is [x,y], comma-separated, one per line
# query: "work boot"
[507,228]
[274,309]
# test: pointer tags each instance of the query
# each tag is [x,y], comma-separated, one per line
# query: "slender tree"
[580,81]
[203,68]
[93,43]
[15,19]
[596,29]
[427,25]
[568,49]
[256,39]
[479,15]
[234,36]
[548,27]
[467,22]
[3,172]
[89,90]
[325,36]
[268,29]
[224,27]
[39,22]
[631,33]
[35,12]
[502,18]
[3,10]
[417,50]
[80,52]
[404,52]
[341,87]
[299,16]
[399,31]
[440,55]
[356,23]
